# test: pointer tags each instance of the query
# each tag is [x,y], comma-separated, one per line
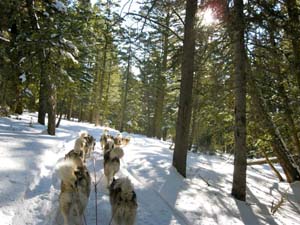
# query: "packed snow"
[29,183]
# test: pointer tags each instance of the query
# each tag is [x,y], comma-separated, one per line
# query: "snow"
[22,77]
[28,92]
[46,14]
[29,183]
[60,6]
[54,35]
[69,56]
[70,45]
[22,60]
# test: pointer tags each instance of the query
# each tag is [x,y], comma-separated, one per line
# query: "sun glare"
[208,18]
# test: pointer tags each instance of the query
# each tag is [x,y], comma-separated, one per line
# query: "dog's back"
[73,154]
[109,144]
[112,163]
[123,201]
[103,138]
[90,144]
[85,144]
[75,190]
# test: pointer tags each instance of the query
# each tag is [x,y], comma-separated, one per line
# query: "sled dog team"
[76,181]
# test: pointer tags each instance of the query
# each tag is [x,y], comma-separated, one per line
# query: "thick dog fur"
[121,141]
[118,140]
[109,144]
[74,155]
[75,190]
[123,202]
[112,163]
[125,141]
[84,145]
[90,143]
[103,139]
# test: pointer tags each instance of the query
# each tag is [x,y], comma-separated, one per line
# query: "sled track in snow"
[124,171]
[131,174]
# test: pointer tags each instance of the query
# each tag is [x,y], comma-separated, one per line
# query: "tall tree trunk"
[101,83]
[294,33]
[51,106]
[81,116]
[42,94]
[240,148]
[105,104]
[70,110]
[186,86]
[195,111]
[15,56]
[93,117]
[59,119]
[161,84]
[124,99]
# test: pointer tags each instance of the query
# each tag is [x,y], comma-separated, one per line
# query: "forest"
[212,75]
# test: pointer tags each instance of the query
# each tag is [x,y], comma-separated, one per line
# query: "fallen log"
[261,161]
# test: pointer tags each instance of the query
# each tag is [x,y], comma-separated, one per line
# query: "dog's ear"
[133,195]
[113,182]
[77,173]
[106,147]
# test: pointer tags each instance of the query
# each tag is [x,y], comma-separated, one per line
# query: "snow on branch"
[69,56]
[61,7]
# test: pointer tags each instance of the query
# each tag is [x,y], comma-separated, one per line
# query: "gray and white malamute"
[103,138]
[123,202]
[84,145]
[75,190]
[109,144]
[112,158]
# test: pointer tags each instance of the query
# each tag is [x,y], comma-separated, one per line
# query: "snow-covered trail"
[33,178]
[29,185]
[148,213]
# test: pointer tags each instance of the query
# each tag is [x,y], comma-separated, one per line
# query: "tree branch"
[156,22]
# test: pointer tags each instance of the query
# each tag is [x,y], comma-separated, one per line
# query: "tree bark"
[293,30]
[186,86]
[51,107]
[240,148]
[125,94]
[42,94]
[161,84]
[272,167]
[105,104]
[101,83]
[59,119]
[70,110]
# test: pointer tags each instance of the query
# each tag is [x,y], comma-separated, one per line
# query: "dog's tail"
[116,152]
[66,170]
